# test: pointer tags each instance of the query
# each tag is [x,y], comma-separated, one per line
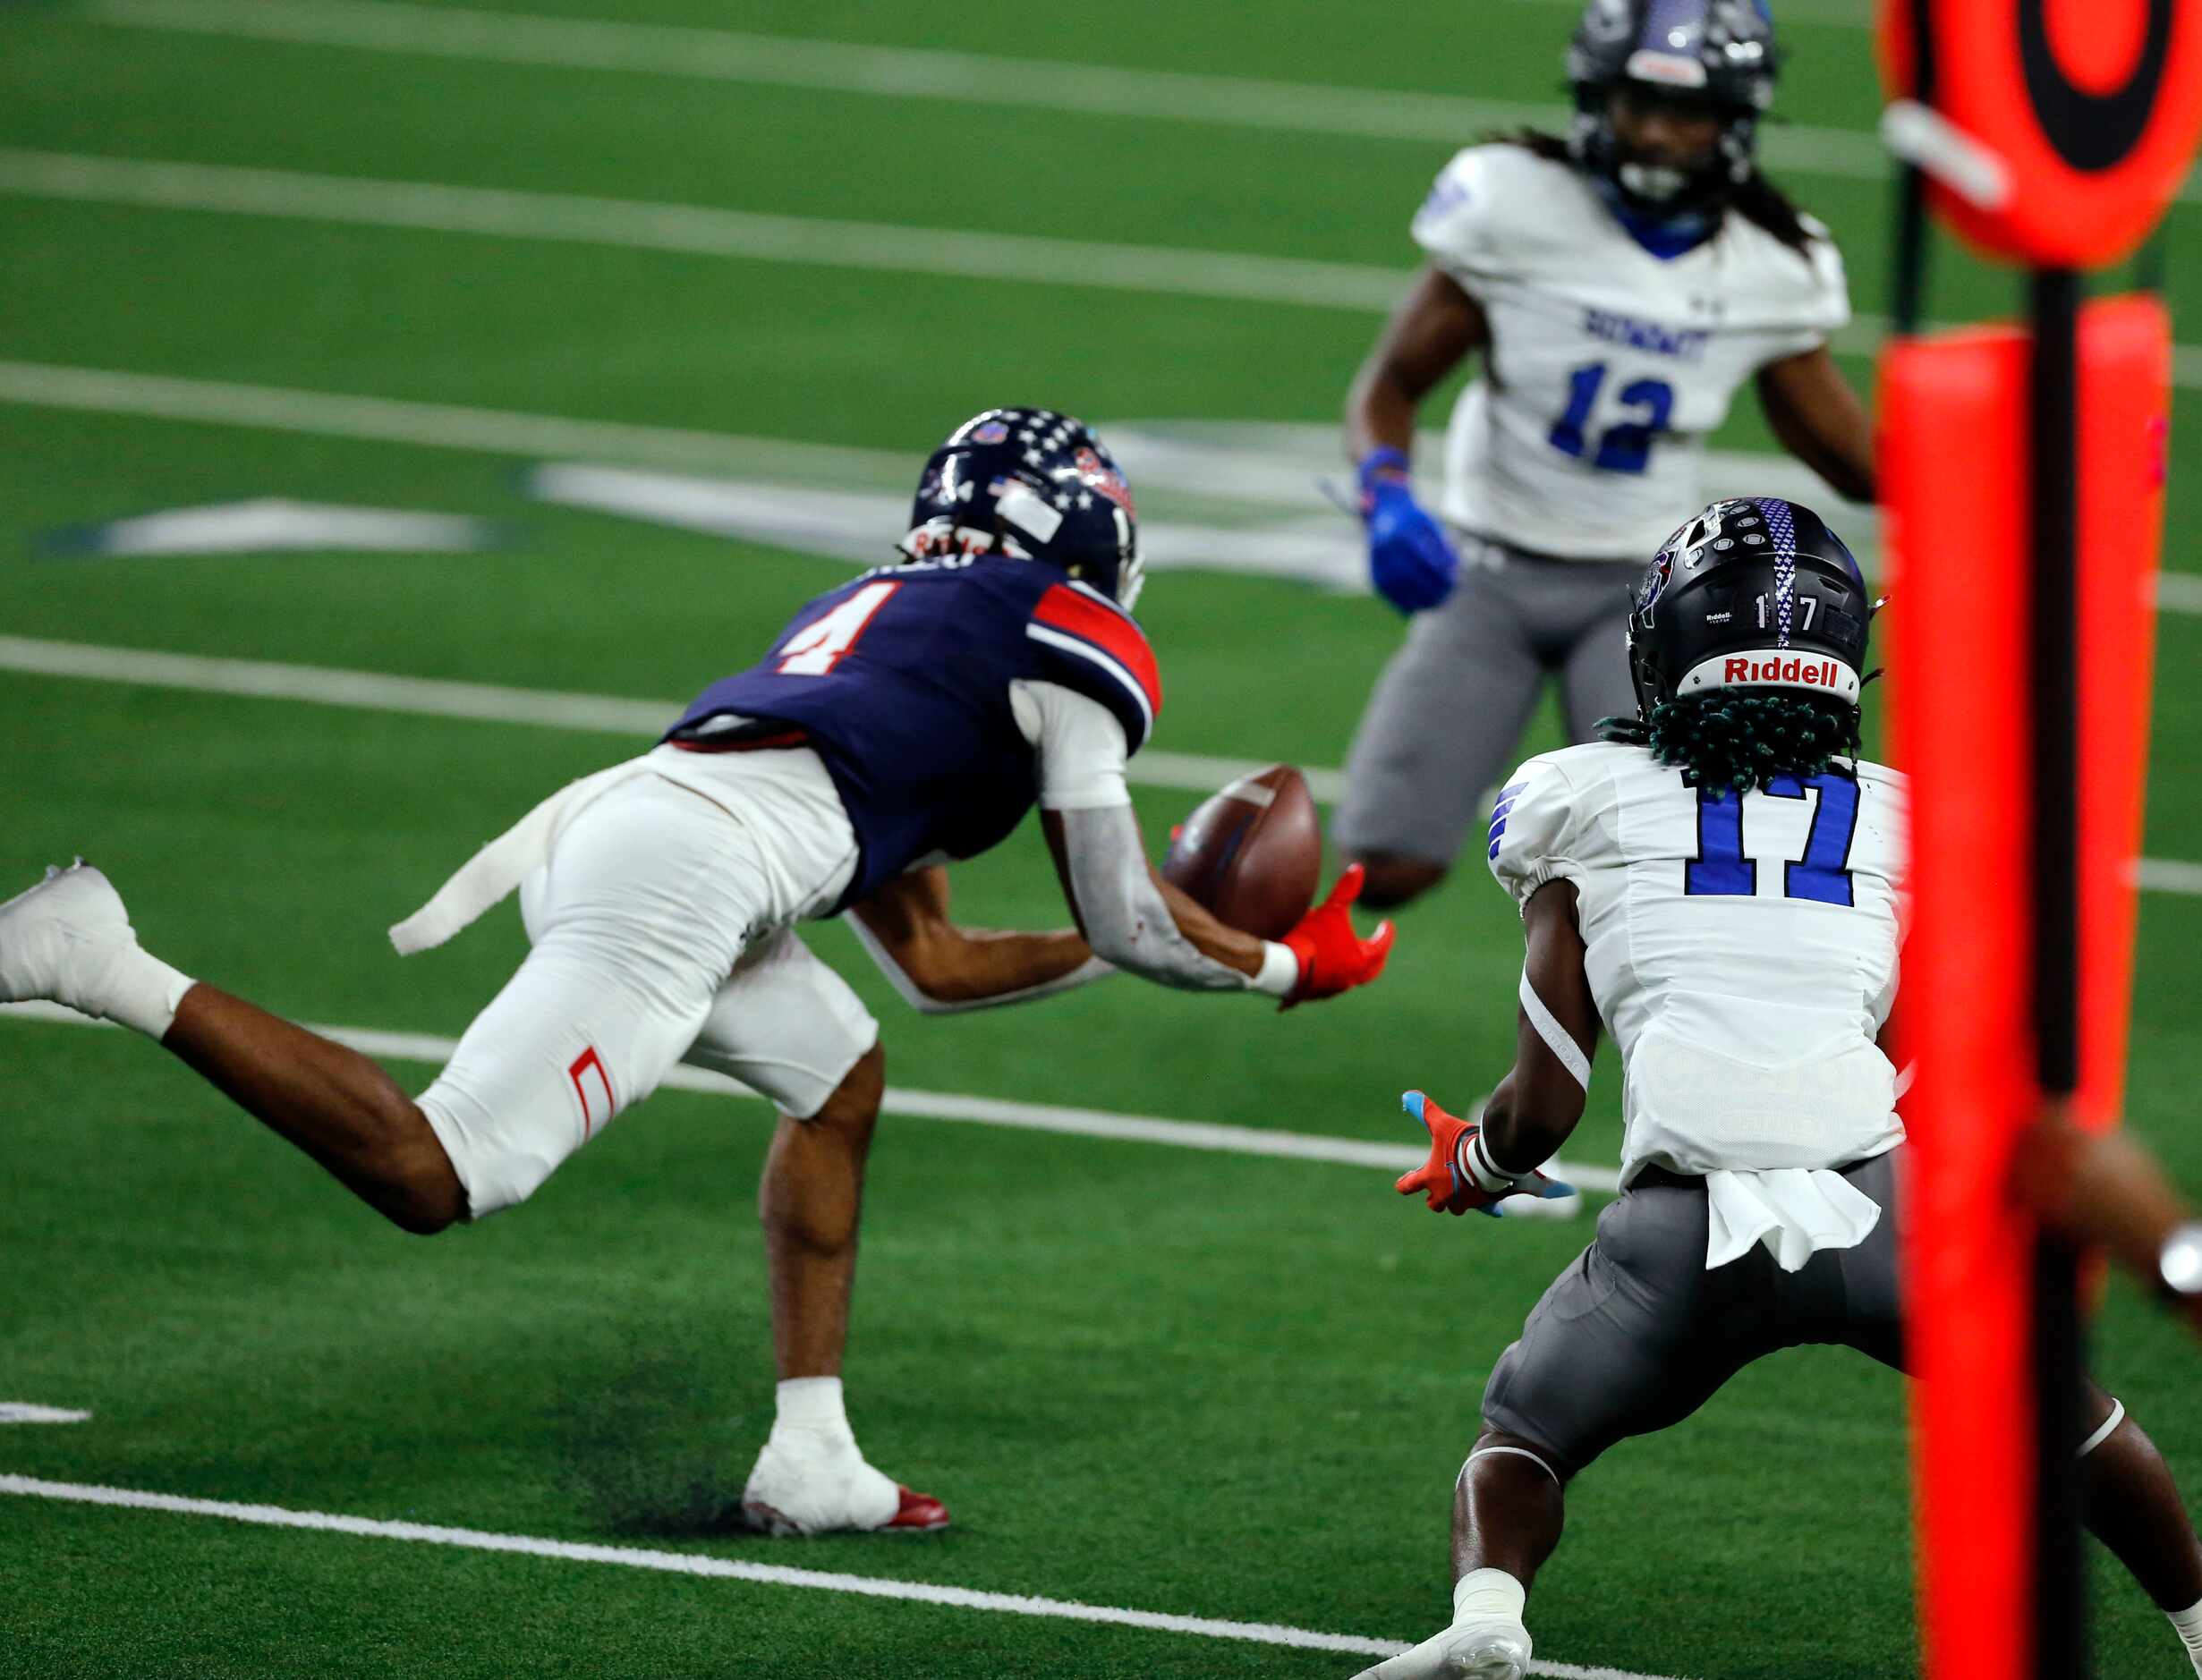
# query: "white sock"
[1488,1595]
[811,1406]
[143,992]
[2189,1624]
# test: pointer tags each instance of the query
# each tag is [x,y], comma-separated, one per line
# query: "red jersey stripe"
[1079,614]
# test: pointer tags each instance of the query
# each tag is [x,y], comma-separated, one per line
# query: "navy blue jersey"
[901,682]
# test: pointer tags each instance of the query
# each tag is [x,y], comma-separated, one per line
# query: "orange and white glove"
[1461,1174]
[1332,957]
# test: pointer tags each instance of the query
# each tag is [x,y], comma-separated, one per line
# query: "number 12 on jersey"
[1723,870]
[1623,448]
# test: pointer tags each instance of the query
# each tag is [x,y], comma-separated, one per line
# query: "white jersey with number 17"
[1583,435]
[1742,951]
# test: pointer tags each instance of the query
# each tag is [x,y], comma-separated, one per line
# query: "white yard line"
[2168,874]
[701,230]
[747,236]
[427,425]
[734,1569]
[987,1111]
[966,79]
[24,1412]
[969,79]
[640,720]
[603,714]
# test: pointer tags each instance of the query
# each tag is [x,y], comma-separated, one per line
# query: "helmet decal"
[1104,479]
[1029,484]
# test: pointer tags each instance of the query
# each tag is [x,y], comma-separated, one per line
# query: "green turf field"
[1144,1377]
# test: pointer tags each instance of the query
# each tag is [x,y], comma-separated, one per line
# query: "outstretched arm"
[1136,920]
[1537,1105]
[940,968]
[1820,420]
[1129,915]
[1476,1163]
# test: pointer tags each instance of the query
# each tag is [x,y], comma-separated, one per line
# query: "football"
[1253,853]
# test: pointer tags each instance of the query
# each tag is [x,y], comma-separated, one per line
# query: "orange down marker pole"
[1955,482]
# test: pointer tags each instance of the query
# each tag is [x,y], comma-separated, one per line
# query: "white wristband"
[1280,971]
[1485,1174]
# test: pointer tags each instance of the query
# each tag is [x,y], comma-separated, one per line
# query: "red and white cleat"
[919,1513]
[802,1485]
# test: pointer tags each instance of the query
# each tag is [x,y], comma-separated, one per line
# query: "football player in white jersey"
[1716,883]
[1620,285]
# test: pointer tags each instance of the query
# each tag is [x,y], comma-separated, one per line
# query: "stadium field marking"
[569,442]
[904,72]
[608,714]
[735,1569]
[935,1105]
[698,230]
[748,236]
[23,1411]
[426,425]
[640,720]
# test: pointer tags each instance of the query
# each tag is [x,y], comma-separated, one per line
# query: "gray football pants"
[1445,720]
[1636,1334]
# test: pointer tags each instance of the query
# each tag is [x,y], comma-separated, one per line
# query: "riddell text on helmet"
[1812,673]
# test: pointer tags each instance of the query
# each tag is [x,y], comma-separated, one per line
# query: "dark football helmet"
[1714,54]
[1750,594]
[1034,485]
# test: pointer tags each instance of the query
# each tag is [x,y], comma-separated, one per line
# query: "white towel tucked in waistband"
[1794,1210]
[492,872]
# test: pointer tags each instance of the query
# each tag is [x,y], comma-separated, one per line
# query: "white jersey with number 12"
[1582,435]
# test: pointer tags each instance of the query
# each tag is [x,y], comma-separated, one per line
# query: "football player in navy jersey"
[905,720]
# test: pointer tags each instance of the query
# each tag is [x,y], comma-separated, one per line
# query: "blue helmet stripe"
[1781,531]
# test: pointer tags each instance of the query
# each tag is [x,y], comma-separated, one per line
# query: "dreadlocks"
[1728,738]
[1755,198]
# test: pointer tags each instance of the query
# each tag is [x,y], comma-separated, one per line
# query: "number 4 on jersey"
[813,650]
[1723,870]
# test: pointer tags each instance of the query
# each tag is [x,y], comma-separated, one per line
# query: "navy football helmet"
[1717,56]
[1034,485]
[1757,593]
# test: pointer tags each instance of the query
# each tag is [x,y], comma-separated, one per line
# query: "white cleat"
[1467,1650]
[803,1485]
[63,941]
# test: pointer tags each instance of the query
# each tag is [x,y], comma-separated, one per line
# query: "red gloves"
[1332,957]
[1450,1179]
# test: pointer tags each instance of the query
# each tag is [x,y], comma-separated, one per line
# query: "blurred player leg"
[788,1026]
[1594,681]
[2132,1505]
[1438,728]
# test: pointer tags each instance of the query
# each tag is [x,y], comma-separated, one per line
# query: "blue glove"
[1410,561]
